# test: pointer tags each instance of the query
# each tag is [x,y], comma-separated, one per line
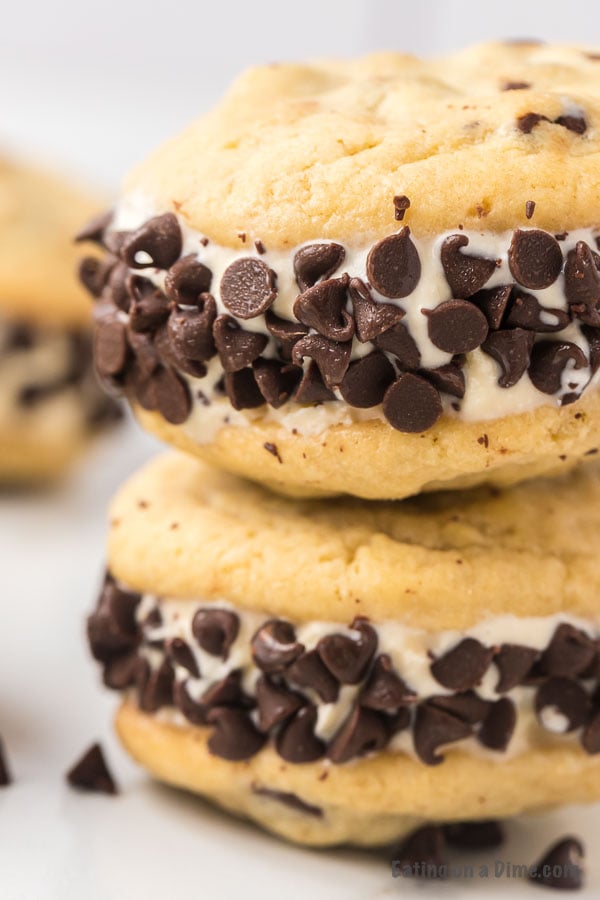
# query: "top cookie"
[296,152]
[39,217]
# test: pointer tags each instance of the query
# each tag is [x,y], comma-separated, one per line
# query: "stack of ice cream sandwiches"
[364,298]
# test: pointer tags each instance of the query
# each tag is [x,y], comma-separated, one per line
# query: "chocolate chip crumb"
[401,204]
[272,449]
[288,799]
[484,440]
[529,209]
[515,86]
[91,773]
[260,247]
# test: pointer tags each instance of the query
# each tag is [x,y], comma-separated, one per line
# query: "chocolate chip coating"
[187,280]
[582,284]
[237,348]
[433,728]
[332,357]
[499,725]
[110,347]
[393,265]
[274,646]
[315,262]
[463,666]
[549,360]
[535,258]
[159,239]
[465,274]
[348,658]
[216,630]
[565,697]
[367,380]
[457,326]
[323,307]
[512,351]
[412,404]
[248,287]
[371,318]
[297,742]
[234,736]
[364,731]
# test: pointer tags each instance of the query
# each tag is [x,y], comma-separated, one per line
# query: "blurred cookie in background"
[50,402]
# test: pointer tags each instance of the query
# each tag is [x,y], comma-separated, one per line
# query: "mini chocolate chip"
[159,239]
[527,312]
[275,703]
[187,280]
[527,122]
[367,380]
[237,348]
[448,379]
[312,388]
[309,671]
[157,688]
[456,326]
[317,261]
[499,725]
[216,630]
[482,834]
[142,385]
[190,332]
[462,667]
[145,352]
[535,258]
[433,728]
[466,706]
[401,204]
[112,628]
[276,381]
[323,307]
[384,690]
[118,286]
[193,711]
[569,653]
[297,742]
[285,331]
[93,273]
[180,653]
[513,662]
[364,731]
[582,283]
[5,777]
[348,658]
[226,692]
[549,359]
[120,673]
[515,86]
[398,341]
[149,307]
[234,737]
[565,697]
[274,646]
[248,287]
[465,274]
[493,303]
[412,405]
[561,866]
[393,265]
[422,854]
[572,123]
[172,396]
[91,773]
[242,390]
[332,357]
[590,739]
[95,228]
[371,318]
[512,351]
[529,209]
[110,347]
[291,800]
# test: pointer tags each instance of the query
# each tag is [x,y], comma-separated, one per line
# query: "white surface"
[149,842]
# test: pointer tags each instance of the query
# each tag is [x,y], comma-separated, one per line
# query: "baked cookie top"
[40,214]
[299,152]
[444,561]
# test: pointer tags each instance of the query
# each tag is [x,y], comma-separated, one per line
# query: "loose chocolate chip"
[187,280]
[95,228]
[572,123]
[242,390]
[569,653]
[317,261]
[463,667]
[411,404]
[91,773]
[590,739]
[393,265]
[112,628]
[93,273]
[499,725]
[561,705]
[276,381]
[348,658]
[493,304]
[193,711]
[465,274]
[456,326]
[275,703]
[448,379]
[515,86]
[527,312]
[367,380]
[309,671]
[285,331]
[120,673]
[234,736]
[323,307]
[110,347]
[561,866]
[291,800]
[513,662]
[274,646]
[312,388]
[156,689]
[384,690]
[364,731]
[528,122]
[422,854]
[226,692]
[401,204]
[216,630]
[582,283]
[549,359]
[433,728]
[398,341]
[297,742]
[332,357]
[157,243]
[512,351]
[466,706]
[529,209]
[190,332]
[371,318]
[172,396]
[535,258]
[478,835]
[248,287]
[5,777]
[180,654]
[237,348]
